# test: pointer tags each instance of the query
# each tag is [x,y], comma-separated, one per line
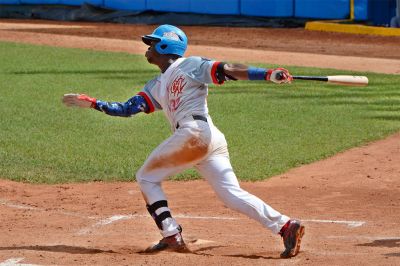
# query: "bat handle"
[279,76]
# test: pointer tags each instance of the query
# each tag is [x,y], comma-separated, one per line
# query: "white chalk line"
[15,262]
[104,222]
[116,218]
[348,223]
[372,238]
[132,192]
[20,206]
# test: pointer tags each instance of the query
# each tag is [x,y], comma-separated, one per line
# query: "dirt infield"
[349,203]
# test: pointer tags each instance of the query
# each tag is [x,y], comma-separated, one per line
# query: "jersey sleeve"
[149,93]
[134,105]
[201,69]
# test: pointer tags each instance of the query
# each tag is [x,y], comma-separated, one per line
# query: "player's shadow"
[60,248]
[248,256]
[388,243]
[203,252]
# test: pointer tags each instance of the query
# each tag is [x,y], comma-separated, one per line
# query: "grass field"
[269,128]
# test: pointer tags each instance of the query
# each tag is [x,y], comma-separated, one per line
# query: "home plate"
[15,262]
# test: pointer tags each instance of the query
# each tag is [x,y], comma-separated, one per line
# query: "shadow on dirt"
[60,248]
[247,256]
[189,251]
[388,243]
[254,257]
[392,255]
[206,248]
[203,252]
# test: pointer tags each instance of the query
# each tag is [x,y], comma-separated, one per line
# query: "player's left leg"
[217,170]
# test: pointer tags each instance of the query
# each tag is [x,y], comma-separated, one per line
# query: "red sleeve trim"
[148,101]
[84,97]
[268,75]
[214,71]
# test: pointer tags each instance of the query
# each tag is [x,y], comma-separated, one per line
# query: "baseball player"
[180,91]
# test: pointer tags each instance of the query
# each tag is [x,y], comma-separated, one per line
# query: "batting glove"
[279,75]
[79,100]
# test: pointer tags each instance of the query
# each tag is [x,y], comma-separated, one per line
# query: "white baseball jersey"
[182,89]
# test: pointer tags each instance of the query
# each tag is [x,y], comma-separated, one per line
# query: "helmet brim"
[148,39]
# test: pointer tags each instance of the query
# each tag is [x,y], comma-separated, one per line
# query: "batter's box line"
[115,218]
[20,206]
[348,223]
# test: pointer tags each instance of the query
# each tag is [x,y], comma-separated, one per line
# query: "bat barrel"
[337,79]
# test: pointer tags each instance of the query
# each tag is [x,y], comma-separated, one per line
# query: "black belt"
[195,117]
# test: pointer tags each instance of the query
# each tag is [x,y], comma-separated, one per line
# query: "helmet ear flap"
[161,47]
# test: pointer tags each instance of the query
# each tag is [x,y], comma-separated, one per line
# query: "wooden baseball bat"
[338,79]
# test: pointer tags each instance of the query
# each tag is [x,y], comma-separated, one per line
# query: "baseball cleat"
[172,243]
[291,236]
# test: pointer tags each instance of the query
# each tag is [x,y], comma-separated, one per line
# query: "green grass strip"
[269,128]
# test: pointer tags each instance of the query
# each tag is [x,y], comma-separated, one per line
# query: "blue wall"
[9,2]
[223,7]
[80,2]
[361,9]
[381,12]
[325,9]
[58,2]
[52,2]
[267,8]
[138,5]
[378,11]
[169,5]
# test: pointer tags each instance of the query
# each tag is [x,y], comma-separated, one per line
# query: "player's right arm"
[141,102]
[134,105]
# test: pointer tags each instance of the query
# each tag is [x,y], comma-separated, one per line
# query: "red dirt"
[75,224]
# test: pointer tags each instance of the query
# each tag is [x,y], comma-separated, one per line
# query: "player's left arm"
[229,71]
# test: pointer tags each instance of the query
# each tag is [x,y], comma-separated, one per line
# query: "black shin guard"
[162,214]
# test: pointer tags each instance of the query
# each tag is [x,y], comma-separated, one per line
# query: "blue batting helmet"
[170,40]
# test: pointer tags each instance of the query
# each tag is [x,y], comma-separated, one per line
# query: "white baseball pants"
[200,144]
